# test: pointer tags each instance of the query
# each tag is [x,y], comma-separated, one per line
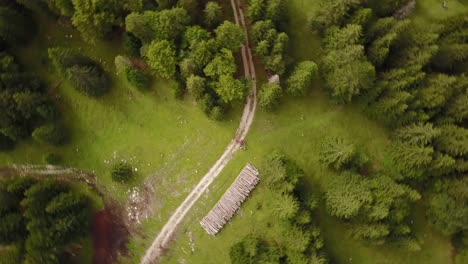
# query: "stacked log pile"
[231,201]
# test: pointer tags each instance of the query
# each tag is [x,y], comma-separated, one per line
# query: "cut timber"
[232,199]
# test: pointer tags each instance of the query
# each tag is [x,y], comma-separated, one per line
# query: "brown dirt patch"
[109,236]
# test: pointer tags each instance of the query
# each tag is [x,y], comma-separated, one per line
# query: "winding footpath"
[161,242]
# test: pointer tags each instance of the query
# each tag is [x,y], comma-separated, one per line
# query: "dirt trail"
[161,242]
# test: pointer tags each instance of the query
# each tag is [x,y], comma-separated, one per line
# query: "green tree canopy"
[222,64]
[346,70]
[270,96]
[161,58]
[447,209]
[212,14]
[196,86]
[229,36]
[301,78]
[230,89]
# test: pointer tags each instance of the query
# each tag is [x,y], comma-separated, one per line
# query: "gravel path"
[161,242]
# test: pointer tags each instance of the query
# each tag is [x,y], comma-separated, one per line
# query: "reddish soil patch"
[101,233]
[110,235]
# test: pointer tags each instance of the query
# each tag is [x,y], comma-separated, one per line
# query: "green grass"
[297,129]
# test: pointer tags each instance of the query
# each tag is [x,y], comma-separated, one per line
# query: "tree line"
[411,77]
[41,221]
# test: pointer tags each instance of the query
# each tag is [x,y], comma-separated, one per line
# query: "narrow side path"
[161,242]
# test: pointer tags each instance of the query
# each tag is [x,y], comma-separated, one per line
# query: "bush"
[217,113]
[63,58]
[137,78]
[52,158]
[132,44]
[51,134]
[6,143]
[270,96]
[206,103]
[90,80]
[122,172]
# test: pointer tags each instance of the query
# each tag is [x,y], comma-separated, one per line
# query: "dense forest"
[42,221]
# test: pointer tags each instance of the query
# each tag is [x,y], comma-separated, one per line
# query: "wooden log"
[230,202]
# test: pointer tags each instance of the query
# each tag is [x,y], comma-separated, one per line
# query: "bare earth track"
[161,242]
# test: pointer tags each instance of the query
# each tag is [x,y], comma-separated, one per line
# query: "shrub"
[90,80]
[132,44]
[52,158]
[206,103]
[270,96]
[51,134]
[6,143]
[217,113]
[122,172]
[137,78]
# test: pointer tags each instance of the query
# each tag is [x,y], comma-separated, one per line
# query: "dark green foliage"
[387,7]
[196,86]
[96,18]
[137,78]
[448,206]
[417,134]
[212,14]
[161,57]
[381,37]
[122,172]
[377,206]
[64,58]
[202,53]
[361,17]
[332,13]
[453,140]
[6,143]
[24,102]
[411,161]
[132,44]
[193,36]
[52,134]
[90,80]
[453,52]
[167,24]
[229,36]
[256,10]
[52,158]
[280,173]
[270,45]
[222,64]
[82,72]
[51,230]
[270,96]
[301,78]
[217,113]
[42,219]
[61,7]
[16,26]
[273,10]
[337,153]
[191,6]
[252,250]
[206,103]
[345,68]
[229,89]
